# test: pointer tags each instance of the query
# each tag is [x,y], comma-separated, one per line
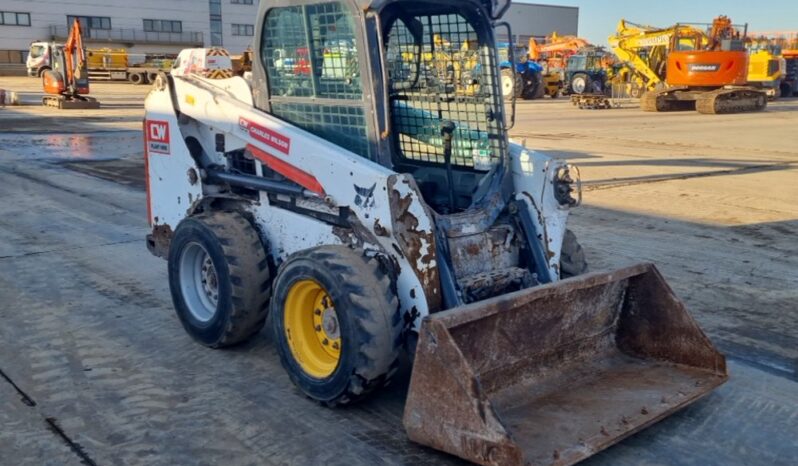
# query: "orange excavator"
[66,85]
[686,67]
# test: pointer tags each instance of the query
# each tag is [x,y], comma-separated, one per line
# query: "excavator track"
[648,102]
[733,100]
[665,100]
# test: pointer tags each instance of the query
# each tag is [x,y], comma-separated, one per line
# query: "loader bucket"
[554,374]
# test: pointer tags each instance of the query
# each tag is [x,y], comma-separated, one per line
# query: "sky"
[597,19]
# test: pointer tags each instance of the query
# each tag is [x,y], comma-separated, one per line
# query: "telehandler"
[371,214]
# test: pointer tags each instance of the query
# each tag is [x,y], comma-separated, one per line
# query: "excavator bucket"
[554,374]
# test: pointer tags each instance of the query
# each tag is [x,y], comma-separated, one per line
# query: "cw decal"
[157,136]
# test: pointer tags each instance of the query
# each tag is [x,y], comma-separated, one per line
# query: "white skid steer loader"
[371,202]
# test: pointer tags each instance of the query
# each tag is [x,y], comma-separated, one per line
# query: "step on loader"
[372,211]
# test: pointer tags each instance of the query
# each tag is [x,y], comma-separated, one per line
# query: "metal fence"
[132,36]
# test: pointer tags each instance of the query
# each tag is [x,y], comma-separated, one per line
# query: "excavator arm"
[557,45]
[76,71]
[645,48]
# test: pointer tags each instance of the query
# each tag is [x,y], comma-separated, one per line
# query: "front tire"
[336,323]
[540,91]
[219,278]
[572,257]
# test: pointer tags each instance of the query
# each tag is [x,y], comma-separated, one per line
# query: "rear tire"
[137,78]
[572,257]
[339,359]
[596,87]
[580,84]
[540,90]
[219,278]
[785,90]
[512,84]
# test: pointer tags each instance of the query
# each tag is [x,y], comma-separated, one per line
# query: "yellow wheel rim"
[312,328]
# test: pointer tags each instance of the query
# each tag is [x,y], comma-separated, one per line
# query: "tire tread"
[249,275]
[375,307]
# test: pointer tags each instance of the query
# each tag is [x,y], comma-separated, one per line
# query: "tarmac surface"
[95,368]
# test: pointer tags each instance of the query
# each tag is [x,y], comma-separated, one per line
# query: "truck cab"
[39,58]
[214,63]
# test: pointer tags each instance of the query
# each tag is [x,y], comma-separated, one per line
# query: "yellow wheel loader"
[372,214]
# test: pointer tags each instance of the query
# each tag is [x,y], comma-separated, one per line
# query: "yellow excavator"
[767,67]
[686,67]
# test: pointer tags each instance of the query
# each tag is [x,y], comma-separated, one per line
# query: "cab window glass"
[312,69]
[310,51]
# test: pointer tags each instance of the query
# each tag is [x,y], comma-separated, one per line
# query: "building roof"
[493,6]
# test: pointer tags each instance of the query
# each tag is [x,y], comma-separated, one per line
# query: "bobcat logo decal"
[365,196]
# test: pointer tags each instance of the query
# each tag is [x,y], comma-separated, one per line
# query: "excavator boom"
[556,46]
[75,58]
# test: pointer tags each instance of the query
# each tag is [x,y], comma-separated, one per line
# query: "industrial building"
[141,26]
[171,25]
[536,20]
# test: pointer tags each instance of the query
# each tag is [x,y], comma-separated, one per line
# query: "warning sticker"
[265,135]
[157,136]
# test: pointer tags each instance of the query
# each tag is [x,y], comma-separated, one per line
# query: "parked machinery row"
[689,66]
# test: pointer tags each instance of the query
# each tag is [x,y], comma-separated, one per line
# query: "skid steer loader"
[370,211]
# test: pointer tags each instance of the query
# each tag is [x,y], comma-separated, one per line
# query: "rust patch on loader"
[416,243]
[556,373]
[159,240]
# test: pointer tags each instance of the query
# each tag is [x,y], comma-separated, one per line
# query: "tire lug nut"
[317,312]
[336,346]
[325,342]
[318,328]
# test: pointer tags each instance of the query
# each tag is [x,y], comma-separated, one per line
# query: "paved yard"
[96,368]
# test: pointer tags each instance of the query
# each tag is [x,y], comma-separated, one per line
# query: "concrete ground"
[95,368]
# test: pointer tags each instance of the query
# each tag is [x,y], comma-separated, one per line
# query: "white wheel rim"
[579,85]
[199,282]
[508,83]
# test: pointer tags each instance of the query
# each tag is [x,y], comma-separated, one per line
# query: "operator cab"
[428,105]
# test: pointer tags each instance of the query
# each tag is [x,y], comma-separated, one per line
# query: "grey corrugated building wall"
[534,19]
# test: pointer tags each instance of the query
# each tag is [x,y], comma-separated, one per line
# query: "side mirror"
[499,8]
